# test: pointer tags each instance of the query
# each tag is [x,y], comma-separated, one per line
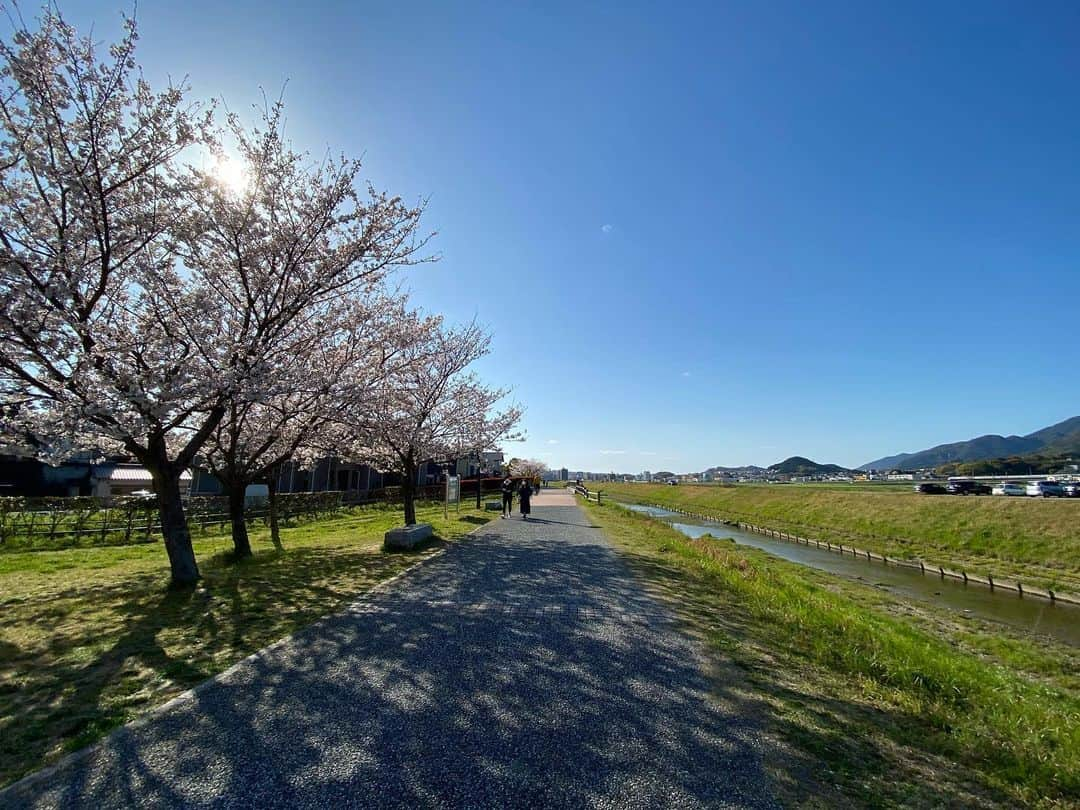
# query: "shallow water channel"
[1032,614]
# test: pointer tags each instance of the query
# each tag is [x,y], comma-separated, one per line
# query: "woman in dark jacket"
[524,495]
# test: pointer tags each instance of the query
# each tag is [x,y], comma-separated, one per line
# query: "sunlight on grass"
[869,700]
[91,637]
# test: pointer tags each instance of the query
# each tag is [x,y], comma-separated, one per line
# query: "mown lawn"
[869,701]
[1032,539]
[91,637]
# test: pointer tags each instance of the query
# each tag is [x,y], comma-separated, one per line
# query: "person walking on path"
[525,496]
[508,496]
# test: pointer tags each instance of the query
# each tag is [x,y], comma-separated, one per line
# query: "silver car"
[1045,489]
[1010,488]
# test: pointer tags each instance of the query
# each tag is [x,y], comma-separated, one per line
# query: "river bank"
[872,700]
[1035,541]
[1031,615]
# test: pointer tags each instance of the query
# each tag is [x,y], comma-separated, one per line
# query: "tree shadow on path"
[524,668]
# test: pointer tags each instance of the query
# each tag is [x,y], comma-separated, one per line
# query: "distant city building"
[564,474]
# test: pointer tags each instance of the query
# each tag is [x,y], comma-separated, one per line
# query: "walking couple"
[524,492]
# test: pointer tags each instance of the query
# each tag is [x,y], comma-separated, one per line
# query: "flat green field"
[1034,539]
[91,637]
[868,701]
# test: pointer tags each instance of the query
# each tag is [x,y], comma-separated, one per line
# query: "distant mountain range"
[797,465]
[1064,437]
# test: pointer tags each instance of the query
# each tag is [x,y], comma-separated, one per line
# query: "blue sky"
[708,234]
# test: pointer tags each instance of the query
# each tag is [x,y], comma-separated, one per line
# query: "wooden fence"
[587,494]
[40,523]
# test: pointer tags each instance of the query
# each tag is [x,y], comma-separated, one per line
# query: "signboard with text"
[453,491]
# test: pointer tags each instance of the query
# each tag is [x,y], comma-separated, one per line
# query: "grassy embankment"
[869,701]
[90,637]
[1034,540]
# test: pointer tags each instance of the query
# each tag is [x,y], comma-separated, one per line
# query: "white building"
[124,479]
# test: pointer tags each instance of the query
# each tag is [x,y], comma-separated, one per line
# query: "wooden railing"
[587,494]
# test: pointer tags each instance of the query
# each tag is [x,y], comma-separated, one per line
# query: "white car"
[1010,488]
[1045,489]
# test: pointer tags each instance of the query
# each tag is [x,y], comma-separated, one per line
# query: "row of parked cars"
[1035,489]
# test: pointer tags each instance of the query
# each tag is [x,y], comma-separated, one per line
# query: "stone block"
[406,537]
[493,506]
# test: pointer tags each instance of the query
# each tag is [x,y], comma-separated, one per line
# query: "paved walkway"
[524,668]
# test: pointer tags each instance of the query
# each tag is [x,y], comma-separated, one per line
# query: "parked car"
[967,488]
[1072,489]
[1045,489]
[930,489]
[1010,488]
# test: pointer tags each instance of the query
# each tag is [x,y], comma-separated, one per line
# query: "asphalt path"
[524,667]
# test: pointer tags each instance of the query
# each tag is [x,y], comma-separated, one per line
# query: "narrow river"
[1034,615]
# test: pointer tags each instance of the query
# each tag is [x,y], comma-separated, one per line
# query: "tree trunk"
[271,497]
[408,492]
[174,528]
[241,544]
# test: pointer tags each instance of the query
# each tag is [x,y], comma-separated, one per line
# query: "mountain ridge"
[1063,437]
[800,465]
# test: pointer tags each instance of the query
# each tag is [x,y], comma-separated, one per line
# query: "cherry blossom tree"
[138,298]
[435,408]
[86,198]
[529,468]
[298,257]
[336,367]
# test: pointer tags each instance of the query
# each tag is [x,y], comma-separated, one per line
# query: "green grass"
[1035,540]
[869,700]
[92,637]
